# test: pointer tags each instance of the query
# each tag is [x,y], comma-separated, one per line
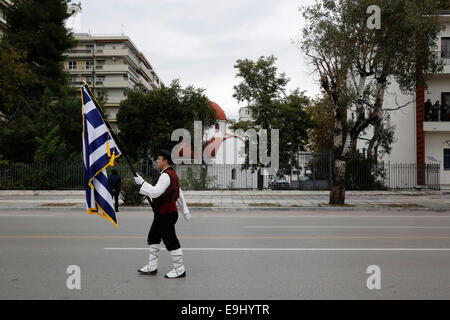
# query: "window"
[99,79]
[233,174]
[100,64]
[89,65]
[445,47]
[72,65]
[445,97]
[446,159]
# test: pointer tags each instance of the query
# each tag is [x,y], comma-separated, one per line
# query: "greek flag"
[99,152]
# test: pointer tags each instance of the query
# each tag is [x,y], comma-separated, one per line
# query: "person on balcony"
[428,105]
[444,111]
[435,111]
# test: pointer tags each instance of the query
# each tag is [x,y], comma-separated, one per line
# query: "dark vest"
[166,202]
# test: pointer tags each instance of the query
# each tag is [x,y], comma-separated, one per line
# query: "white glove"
[139,180]
[187,216]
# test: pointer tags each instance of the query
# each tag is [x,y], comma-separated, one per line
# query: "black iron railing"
[313,172]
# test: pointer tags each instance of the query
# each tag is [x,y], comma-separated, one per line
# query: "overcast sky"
[198,41]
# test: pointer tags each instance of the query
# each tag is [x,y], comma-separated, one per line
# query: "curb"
[241,209]
[236,192]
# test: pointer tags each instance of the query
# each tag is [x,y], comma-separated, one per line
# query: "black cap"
[166,154]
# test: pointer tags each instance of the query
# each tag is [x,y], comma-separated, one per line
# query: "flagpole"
[113,134]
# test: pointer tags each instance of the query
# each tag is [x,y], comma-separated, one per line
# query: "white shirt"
[163,183]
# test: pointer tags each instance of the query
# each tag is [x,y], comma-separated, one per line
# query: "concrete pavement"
[247,200]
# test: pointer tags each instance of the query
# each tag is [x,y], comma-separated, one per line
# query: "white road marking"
[26,215]
[296,249]
[345,227]
[260,215]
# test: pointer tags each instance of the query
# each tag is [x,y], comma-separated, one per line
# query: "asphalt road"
[228,255]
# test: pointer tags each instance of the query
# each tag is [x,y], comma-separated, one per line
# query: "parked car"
[279,183]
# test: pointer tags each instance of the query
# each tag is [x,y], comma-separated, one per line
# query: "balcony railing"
[79,51]
[81,68]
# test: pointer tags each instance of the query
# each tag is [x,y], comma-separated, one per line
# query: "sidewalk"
[246,200]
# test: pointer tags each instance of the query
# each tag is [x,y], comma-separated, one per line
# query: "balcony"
[81,70]
[145,83]
[146,70]
[112,84]
[436,126]
[122,68]
[131,58]
[72,53]
[136,76]
[111,52]
[79,82]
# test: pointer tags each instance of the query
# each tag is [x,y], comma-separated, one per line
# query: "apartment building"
[419,138]
[111,64]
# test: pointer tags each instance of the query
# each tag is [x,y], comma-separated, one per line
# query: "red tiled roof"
[220,114]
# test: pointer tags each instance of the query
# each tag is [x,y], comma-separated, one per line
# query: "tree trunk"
[374,141]
[337,194]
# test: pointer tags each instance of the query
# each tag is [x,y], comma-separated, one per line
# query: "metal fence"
[313,172]
[412,176]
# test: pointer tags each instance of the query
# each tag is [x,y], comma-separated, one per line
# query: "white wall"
[404,120]
[435,143]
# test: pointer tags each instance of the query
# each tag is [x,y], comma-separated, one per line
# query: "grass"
[58,204]
[402,205]
[199,204]
[264,204]
[336,205]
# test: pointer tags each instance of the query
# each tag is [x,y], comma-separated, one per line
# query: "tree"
[37,27]
[356,64]
[65,113]
[321,135]
[50,149]
[35,95]
[271,107]
[146,120]
[15,74]
[16,126]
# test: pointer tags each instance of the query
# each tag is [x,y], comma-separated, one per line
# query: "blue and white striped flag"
[99,152]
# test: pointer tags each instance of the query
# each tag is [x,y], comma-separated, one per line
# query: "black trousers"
[115,195]
[163,228]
